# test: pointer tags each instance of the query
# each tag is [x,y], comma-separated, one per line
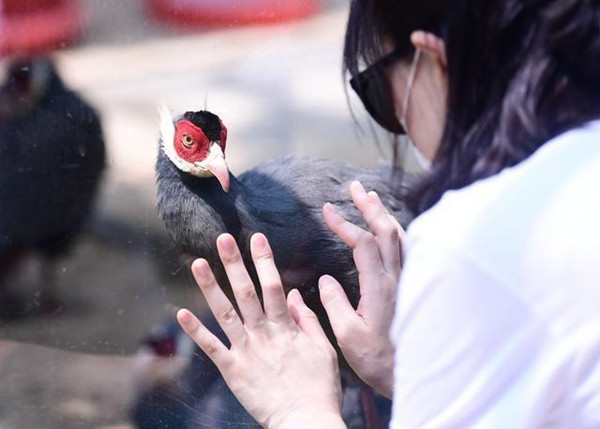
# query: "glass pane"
[89,277]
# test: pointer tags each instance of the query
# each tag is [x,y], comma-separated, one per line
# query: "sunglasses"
[373,88]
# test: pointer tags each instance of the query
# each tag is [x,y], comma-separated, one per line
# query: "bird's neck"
[210,190]
[236,208]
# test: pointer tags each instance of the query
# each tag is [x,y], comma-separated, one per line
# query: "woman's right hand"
[363,334]
[280,364]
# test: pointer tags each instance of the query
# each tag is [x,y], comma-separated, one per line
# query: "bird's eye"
[187,140]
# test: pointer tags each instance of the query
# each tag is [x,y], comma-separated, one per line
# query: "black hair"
[519,73]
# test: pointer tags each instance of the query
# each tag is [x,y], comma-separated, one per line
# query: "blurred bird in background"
[52,155]
[199,199]
[178,387]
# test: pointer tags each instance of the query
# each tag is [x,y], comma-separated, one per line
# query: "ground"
[278,89]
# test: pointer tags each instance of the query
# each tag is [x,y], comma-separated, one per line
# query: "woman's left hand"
[363,334]
[280,366]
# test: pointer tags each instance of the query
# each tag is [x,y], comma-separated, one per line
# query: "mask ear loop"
[411,80]
[424,163]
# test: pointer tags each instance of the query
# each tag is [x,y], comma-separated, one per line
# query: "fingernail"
[184,316]
[227,243]
[295,296]
[326,282]
[332,210]
[200,267]
[356,183]
[260,241]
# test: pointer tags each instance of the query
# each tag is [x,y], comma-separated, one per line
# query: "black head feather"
[207,121]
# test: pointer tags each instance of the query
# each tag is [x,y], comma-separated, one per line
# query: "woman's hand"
[283,370]
[363,334]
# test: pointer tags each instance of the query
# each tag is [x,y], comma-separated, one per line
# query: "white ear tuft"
[167,127]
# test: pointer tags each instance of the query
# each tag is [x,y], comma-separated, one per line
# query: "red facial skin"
[191,144]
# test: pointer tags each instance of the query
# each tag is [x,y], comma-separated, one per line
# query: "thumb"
[339,310]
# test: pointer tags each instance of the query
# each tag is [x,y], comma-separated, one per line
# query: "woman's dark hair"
[519,73]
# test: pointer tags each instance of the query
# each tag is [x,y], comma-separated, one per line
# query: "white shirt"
[498,313]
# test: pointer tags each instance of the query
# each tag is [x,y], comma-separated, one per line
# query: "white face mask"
[423,162]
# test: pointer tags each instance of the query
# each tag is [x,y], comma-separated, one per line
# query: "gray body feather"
[282,198]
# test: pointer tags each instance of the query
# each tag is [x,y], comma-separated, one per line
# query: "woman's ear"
[431,44]
[435,49]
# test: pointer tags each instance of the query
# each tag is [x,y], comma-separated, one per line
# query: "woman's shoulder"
[532,228]
[563,176]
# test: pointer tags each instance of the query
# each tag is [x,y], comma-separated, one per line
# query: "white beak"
[215,163]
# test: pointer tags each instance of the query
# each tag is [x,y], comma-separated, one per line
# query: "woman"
[496,322]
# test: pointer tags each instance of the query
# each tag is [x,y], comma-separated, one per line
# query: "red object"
[33,27]
[198,142]
[217,13]
[223,135]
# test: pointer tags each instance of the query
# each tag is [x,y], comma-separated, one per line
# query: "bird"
[198,199]
[177,386]
[52,157]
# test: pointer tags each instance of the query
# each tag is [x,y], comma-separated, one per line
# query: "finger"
[374,294]
[378,220]
[270,281]
[377,200]
[402,236]
[341,314]
[205,339]
[401,231]
[363,244]
[220,306]
[241,283]
[306,319]
[392,263]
